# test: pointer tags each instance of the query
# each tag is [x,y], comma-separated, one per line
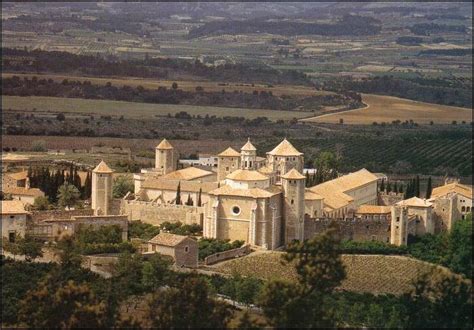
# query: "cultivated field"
[134,109]
[186,85]
[387,109]
[365,273]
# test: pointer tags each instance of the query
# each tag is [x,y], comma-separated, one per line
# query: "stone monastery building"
[262,201]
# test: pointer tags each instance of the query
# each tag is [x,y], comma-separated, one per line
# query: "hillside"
[365,273]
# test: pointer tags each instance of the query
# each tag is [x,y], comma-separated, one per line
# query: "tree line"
[162,95]
[21,60]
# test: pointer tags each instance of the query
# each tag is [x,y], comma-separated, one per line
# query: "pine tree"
[429,188]
[178,195]
[382,186]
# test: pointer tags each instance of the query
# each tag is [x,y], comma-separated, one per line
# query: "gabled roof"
[311,196]
[13,207]
[22,191]
[373,209]
[167,239]
[188,173]
[102,168]
[285,148]
[253,192]
[164,144]
[453,187]
[293,174]
[334,191]
[248,146]
[415,202]
[229,152]
[246,175]
[186,186]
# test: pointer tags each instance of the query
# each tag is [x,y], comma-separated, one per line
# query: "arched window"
[463,209]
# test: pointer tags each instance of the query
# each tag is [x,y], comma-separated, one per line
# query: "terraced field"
[365,273]
[387,109]
[134,109]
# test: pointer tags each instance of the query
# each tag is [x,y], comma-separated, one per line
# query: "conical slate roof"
[285,148]
[248,146]
[229,152]
[164,144]
[102,168]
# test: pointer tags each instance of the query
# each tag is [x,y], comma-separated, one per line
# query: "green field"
[133,109]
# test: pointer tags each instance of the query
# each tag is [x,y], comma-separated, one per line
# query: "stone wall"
[156,214]
[229,254]
[389,199]
[38,216]
[351,229]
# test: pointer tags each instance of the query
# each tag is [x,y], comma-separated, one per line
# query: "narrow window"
[186,249]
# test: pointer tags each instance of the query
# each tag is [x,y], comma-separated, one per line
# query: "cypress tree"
[400,189]
[308,180]
[395,188]
[199,202]
[178,195]
[189,202]
[71,174]
[389,187]
[429,188]
[417,186]
[382,185]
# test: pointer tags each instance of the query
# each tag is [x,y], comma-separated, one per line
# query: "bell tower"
[248,156]
[101,189]
[293,185]
[165,161]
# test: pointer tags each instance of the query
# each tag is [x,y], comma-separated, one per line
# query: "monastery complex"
[262,201]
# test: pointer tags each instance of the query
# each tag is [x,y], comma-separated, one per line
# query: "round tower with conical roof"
[165,161]
[248,156]
[101,189]
[293,186]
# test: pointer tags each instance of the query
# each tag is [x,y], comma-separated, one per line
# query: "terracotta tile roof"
[18,175]
[373,209]
[102,168]
[253,192]
[13,207]
[293,174]
[416,202]
[334,191]
[454,187]
[188,173]
[186,186]
[248,146]
[167,239]
[164,144]
[309,195]
[229,152]
[22,191]
[266,169]
[246,175]
[285,148]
